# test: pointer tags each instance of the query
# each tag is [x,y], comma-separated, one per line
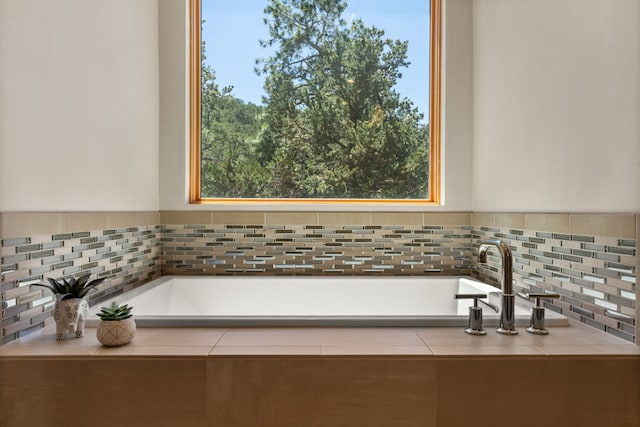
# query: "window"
[335,116]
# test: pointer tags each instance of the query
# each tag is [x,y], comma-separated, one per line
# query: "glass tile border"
[594,275]
[316,249]
[128,257]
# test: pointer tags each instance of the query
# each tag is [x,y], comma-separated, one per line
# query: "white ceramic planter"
[116,332]
[70,315]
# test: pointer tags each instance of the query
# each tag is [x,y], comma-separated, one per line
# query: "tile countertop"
[573,340]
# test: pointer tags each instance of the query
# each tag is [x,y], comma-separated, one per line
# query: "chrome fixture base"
[507,331]
[475,314]
[536,326]
[537,331]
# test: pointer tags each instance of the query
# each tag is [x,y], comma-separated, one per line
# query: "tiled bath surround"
[316,249]
[595,275]
[129,256]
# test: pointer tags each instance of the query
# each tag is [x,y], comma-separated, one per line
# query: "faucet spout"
[507,314]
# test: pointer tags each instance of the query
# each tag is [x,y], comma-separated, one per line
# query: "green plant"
[115,312]
[69,288]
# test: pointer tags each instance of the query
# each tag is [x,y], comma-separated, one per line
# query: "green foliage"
[229,131]
[115,312]
[70,288]
[332,125]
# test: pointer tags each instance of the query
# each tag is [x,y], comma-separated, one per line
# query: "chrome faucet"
[507,314]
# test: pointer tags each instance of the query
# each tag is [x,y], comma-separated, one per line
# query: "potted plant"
[71,308]
[117,326]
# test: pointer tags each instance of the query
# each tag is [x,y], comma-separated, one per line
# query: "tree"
[228,139]
[334,125]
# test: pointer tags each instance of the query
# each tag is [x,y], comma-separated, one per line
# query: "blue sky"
[233,28]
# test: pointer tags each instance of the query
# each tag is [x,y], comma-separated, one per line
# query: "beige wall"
[556,102]
[541,100]
[174,130]
[78,105]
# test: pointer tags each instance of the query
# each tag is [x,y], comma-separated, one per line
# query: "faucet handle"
[536,325]
[470,296]
[475,314]
[540,295]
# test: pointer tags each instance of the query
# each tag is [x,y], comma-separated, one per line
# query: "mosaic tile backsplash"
[596,276]
[128,256]
[316,249]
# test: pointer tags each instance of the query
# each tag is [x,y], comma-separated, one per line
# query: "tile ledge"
[42,344]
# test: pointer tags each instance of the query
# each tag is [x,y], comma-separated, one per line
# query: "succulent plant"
[69,288]
[115,312]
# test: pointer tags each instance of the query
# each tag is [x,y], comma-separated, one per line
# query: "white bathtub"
[226,301]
